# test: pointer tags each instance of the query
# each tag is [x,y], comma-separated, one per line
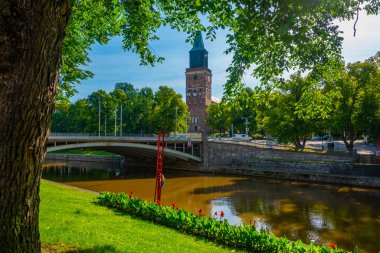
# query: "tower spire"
[198,42]
[198,54]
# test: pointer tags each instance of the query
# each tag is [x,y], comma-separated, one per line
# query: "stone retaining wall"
[93,160]
[286,164]
[224,153]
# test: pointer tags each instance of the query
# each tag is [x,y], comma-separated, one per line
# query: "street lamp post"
[99,116]
[121,121]
[105,124]
[246,125]
[186,124]
[115,121]
[176,123]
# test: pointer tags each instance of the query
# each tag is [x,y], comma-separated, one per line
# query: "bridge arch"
[123,148]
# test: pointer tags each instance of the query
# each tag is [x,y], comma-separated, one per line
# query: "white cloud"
[367,40]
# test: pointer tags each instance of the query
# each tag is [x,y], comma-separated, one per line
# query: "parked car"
[241,137]
[182,137]
[321,138]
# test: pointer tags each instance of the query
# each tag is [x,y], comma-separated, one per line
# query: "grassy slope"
[67,216]
[83,152]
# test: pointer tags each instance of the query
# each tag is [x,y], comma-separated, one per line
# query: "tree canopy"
[344,102]
[273,37]
[357,108]
[125,110]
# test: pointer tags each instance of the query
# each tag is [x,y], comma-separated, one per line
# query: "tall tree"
[60,116]
[97,101]
[79,117]
[242,110]
[143,111]
[274,35]
[169,111]
[218,117]
[357,108]
[118,97]
[31,35]
[296,110]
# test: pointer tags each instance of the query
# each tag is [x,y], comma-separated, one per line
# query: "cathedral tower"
[198,86]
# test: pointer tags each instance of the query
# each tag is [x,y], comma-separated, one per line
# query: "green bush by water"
[239,237]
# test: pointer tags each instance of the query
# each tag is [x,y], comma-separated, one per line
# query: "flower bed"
[239,237]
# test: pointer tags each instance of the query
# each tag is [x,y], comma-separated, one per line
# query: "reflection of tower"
[198,85]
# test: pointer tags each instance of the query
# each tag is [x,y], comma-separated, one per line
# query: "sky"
[111,64]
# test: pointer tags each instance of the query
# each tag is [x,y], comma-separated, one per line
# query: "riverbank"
[69,221]
[78,158]
[277,164]
[330,172]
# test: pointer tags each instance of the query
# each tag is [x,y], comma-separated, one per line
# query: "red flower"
[216,213]
[173,204]
[203,215]
[221,214]
[158,202]
[332,245]
[131,194]
[200,210]
[176,208]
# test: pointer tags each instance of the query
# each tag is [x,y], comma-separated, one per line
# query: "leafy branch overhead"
[270,36]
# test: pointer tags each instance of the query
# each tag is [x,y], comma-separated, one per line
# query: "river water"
[346,216]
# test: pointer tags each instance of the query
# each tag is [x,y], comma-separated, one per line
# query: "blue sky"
[111,64]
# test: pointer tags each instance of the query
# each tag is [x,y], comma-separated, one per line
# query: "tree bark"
[31,34]
[349,137]
[297,144]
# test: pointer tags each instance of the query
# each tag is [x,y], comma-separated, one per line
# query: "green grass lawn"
[70,222]
[83,152]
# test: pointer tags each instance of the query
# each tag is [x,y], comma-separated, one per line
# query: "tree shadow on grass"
[62,247]
[96,249]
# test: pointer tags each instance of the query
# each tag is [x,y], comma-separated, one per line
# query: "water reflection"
[323,213]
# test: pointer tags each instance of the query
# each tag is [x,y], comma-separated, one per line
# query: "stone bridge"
[131,147]
[239,158]
[206,154]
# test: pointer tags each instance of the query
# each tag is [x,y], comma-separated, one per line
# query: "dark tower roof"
[198,42]
[198,54]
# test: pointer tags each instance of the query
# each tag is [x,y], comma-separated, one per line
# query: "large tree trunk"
[31,34]
[297,144]
[349,137]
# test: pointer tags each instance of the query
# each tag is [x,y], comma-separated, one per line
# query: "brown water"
[346,216]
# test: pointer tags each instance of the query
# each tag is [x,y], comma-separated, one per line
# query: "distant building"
[198,86]
[215,100]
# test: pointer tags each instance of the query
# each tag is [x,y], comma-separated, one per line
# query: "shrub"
[240,237]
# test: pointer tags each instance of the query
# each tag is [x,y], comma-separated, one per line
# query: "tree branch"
[357,18]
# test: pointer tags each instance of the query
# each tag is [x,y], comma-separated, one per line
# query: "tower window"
[195,77]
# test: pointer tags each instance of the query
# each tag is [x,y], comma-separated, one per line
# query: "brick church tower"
[198,86]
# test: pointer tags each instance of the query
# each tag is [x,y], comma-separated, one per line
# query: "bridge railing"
[339,147]
[178,137]
[102,135]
